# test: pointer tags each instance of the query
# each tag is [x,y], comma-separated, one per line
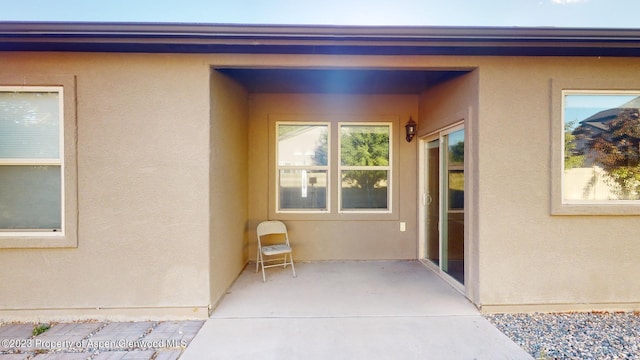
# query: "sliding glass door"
[443,202]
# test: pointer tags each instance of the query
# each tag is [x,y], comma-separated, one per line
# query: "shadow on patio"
[348,310]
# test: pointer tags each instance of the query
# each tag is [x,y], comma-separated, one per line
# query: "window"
[302,167]
[365,166]
[309,181]
[601,147]
[31,160]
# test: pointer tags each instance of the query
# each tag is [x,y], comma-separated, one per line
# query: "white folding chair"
[282,248]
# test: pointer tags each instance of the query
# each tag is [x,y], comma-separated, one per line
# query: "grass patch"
[40,328]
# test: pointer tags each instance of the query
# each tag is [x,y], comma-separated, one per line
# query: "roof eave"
[205,38]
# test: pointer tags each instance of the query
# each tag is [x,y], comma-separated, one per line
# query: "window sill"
[33,241]
[596,209]
[342,216]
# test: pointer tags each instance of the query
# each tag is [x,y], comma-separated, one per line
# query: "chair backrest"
[272,227]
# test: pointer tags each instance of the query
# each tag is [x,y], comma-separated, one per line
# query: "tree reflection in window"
[602,150]
[364,162]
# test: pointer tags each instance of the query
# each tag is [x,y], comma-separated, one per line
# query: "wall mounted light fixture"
[411,129]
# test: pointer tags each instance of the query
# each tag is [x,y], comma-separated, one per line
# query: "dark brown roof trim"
[262,39]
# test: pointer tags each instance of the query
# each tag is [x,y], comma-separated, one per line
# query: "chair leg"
[264,277]
[292,268]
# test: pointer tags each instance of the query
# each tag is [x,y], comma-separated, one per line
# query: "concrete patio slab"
[348,310]
[333,289]
[433,337]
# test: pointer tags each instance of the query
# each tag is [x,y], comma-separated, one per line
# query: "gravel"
[581,336]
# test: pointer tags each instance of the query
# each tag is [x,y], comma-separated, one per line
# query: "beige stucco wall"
[523,257]
[527,255]
[143,204]
[335,236]
[229,182]
[151,130]
[442,106]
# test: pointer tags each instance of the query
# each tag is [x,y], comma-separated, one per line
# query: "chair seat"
[275,249]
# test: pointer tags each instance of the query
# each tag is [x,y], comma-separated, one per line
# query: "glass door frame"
[423,198]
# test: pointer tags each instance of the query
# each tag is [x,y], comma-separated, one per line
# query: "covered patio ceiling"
[341,81]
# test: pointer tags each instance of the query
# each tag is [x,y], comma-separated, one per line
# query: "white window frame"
[35,161]
[574,85]
[388,168]
[326,168]
[564,201]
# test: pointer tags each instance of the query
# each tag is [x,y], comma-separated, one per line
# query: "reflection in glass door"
[453,209]
[432,201]
[443,201]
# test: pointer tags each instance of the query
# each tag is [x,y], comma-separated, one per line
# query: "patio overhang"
[285,39]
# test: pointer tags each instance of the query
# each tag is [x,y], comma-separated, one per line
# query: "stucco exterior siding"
[175,168]
[529,258]
[335,236]
[229,183]
[454,101]
[143,179]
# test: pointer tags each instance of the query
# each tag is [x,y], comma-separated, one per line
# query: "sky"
[509,13]
[578,107]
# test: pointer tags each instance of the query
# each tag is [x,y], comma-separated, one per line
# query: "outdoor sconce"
[411,129]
